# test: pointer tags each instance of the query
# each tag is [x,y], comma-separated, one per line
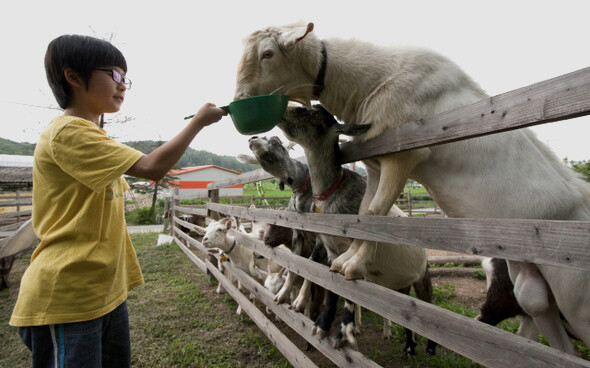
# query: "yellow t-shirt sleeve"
[85,152]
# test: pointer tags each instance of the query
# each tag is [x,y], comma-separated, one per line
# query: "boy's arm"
[155,165]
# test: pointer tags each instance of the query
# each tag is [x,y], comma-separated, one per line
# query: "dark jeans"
[101,342]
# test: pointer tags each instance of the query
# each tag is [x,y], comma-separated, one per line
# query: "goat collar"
[318,86]
[231,248]
[303,188]
[327,193]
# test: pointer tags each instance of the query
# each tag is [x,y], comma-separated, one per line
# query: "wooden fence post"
[409,203]
[17,207]
[166,214]
[213,198]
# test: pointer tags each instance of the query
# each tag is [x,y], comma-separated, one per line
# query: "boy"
[71,307]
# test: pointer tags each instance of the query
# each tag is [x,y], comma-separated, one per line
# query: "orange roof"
[185,170]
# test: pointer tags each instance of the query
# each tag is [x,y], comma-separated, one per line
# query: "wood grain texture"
[559,243]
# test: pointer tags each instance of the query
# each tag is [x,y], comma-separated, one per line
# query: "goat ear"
[199,230]
[352,129]
[289,38]
[289,145]
[246,159]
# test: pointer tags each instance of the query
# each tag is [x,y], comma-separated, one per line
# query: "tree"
[582,167]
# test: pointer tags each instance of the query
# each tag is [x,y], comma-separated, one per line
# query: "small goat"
[216,236]
[340,191]
[504,175]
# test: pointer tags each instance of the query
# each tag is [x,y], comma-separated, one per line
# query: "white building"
[194,180]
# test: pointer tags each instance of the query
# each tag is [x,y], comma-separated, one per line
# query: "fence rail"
[559,243]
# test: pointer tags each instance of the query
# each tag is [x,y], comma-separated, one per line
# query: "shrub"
[141,216]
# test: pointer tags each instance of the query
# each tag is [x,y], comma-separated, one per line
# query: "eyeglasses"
[117,77]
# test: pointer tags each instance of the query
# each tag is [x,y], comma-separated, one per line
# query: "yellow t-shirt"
[85,262]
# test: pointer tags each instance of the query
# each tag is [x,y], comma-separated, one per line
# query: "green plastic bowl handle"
[226,108]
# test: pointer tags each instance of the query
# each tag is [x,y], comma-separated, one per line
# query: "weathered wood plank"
[26,213]
[193,257]
[18,202]
[482,343]
[278,339]
[193,242]
[560,98]
[344,357]
[249,177]
[191,210]
[196,228]
[559,243]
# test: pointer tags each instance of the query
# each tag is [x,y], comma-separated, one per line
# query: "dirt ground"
[468,290]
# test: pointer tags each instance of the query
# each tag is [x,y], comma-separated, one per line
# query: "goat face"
[277,235]
[316,127]
[215,234]
[273,156]
[266,65]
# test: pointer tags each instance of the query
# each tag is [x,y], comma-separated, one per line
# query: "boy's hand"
[208,114]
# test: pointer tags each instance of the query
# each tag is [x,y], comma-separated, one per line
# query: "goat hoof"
[353,274]
[318,331]
[335,267]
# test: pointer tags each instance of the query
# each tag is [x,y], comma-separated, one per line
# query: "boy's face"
[103,93]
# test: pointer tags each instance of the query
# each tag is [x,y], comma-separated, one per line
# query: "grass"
[177,320]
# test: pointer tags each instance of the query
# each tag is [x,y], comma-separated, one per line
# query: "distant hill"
[190,158]
[193,157]
[9,147]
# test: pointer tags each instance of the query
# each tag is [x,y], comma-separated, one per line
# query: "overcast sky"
[183,54]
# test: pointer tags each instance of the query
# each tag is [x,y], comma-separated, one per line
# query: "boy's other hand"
[208,114]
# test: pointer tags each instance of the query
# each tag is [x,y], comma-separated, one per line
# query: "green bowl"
[258,114]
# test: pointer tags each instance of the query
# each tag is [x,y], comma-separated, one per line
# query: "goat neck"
[239,255]
[318,86]
[325,171]
[342,75]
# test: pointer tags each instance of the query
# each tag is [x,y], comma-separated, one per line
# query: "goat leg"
[345,335]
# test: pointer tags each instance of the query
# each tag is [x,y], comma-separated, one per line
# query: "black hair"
[81,54]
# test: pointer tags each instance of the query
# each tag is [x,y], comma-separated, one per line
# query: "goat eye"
[267,54]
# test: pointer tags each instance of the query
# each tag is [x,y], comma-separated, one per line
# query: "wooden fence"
[559,243]
[11,220]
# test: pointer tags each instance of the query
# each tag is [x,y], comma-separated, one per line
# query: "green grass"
[177,320]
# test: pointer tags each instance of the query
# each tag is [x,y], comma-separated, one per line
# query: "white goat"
[216,236]
[505,175]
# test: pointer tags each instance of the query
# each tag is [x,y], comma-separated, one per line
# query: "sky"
[182,54]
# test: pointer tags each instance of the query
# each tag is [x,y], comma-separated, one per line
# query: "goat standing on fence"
[340,191]
[504,175]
